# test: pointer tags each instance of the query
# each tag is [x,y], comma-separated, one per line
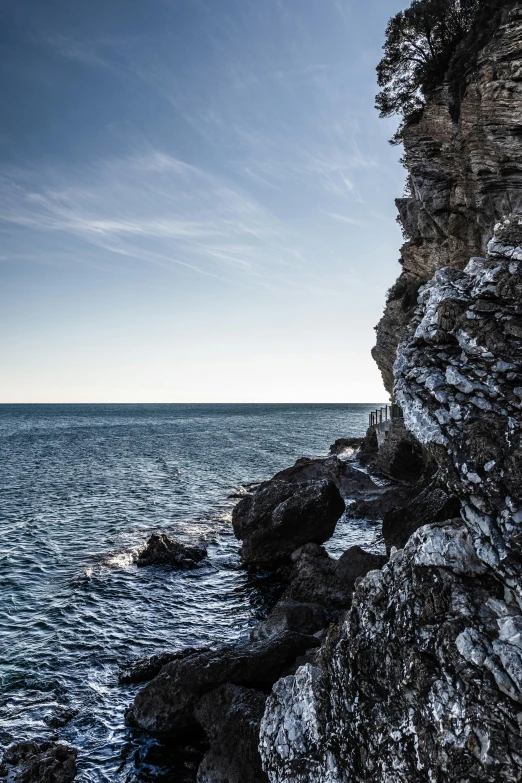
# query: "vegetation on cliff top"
[431,42]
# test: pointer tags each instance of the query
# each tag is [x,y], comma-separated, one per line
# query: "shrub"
[424,44]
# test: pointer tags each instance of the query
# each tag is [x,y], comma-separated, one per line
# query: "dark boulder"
[401,457]
[39,762]
[167,702]
[144,669]
[431,504]
[163,550]
[302,618]
[281,516]
[343,445]
[375,507]
[230,716]
[345,476]
[318,578]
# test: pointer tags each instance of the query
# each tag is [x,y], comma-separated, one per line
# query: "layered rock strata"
[465,174]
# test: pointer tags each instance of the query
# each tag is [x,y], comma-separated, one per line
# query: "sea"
[81,489]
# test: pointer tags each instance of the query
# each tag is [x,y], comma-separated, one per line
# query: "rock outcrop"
[145,669]
[430,502]
[464,174]
[347,478]
[231,716]
[280,516]
[423,680]
[345,446]
[167,703]
[288,615]
[320,579]
[39,762]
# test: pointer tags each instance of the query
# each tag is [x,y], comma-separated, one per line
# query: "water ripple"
[81,488]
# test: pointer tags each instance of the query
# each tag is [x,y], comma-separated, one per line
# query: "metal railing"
[381,415]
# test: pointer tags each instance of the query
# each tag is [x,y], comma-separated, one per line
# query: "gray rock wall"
[423,680]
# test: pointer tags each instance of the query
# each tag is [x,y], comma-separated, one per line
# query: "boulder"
[431,504]
[167,702]
[345,476]
[376,506]
[231,716]
[303,618]
[320,579]
[39,762]
[281,516]
[144,669]
[163,550]
[401,457]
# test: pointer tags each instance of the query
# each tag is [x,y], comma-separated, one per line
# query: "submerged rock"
[163,550]
[39,762]
[230,716]
[167,702]
[281,516]
[60,717]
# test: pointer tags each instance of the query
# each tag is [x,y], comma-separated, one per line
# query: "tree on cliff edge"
[420,43]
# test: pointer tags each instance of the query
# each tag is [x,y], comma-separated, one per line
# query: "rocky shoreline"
[226,693]
[214,699]
[404,667]
[282,524]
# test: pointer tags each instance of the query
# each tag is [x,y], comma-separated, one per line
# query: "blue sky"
[196,200]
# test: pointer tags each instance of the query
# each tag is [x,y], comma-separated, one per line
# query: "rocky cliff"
[422,681]
[464,174]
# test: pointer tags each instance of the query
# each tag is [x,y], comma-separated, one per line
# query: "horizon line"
[195,403]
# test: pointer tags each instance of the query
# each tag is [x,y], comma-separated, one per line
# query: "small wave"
[121,559]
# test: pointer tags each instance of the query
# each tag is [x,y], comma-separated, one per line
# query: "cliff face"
[422,682]
[464,175]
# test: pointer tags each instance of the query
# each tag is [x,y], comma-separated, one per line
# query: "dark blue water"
[81,488]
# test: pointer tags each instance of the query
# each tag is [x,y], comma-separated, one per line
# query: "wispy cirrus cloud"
[157,209]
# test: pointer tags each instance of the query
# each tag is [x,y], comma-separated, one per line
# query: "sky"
[196,200]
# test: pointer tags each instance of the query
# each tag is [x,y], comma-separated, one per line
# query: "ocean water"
[81,488]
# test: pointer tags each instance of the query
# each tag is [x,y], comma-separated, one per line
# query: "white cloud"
[154,207]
